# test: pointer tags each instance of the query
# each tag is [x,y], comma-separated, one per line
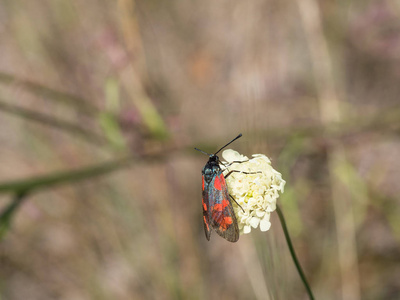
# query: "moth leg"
[236,202]
[237,162]
[234,162]
[230,172]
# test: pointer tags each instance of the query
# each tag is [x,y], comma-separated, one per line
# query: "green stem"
[47,120]
[21,188]
[8,212]
[46,181]
[51,94]
[292,252]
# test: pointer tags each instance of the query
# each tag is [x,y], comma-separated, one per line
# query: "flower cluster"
[255,188]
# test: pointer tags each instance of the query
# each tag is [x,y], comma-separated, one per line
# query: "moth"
[218,212]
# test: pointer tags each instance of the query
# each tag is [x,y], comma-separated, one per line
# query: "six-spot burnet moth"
[218,212]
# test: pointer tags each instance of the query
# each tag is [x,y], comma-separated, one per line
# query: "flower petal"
[254,222]
[256,193]
[265,225]
[231,155]
[246,229]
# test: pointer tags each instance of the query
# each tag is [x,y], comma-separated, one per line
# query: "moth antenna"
[203,152]
[229,143]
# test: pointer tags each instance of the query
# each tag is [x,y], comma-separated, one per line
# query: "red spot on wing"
[205,222]
[219,182]
[218,207]
[222,216]
[221,206]
[225,203]
[204,205]
[222,221]
[225,223]
[202,177]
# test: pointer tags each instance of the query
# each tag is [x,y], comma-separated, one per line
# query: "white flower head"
[256,192]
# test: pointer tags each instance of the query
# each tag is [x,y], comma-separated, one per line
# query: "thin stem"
[8,212]
[44,119]
[50,94]
[46,181]
[292,252]
[21,188]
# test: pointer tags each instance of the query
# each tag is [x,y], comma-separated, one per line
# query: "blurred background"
[102,102]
